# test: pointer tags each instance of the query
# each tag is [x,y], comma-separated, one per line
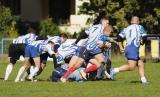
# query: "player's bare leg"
[36,69]
[141,71]
[126,67]
[73,61]
[78,62]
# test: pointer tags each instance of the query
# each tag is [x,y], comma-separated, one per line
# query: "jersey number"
[94,29]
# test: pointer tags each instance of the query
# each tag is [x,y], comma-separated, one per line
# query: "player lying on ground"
[60,71]
[133,35]
[65,53]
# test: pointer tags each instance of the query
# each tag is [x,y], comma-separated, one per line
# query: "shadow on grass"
[1,78]
[135,82]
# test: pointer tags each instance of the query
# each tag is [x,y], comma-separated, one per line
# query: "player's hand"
[108,44]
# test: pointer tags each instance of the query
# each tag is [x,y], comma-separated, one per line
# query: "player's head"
[104,21]
[51,42]
[108,30]
[63,37]
[135,20]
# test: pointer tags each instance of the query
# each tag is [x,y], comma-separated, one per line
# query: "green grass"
[126,85]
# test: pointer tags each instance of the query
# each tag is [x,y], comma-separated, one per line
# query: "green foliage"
[48,27]
[120,12]
[5,17]
[7,23]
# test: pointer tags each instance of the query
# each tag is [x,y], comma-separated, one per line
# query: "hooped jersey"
[93,36]
[43,47]
[25,39]
[65,51]
[133,34]
[56,40]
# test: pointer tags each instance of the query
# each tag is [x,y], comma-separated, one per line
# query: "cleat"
[22,80]
[63,80]
[31,78]
[83,74]
[16,80]
[145,83]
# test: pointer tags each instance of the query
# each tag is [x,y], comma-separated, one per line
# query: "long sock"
[36,69]
[8,71]
[91,68]
[72,69]
[25,76]
[31,69]
[99,72]
[116,70]
[20,72]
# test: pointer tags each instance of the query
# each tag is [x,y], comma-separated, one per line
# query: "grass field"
[126,85]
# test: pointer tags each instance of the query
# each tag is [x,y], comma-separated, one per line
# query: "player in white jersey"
[34,50]
[58,40]
[93,53]
[133,35]
[16,49]
[65,53]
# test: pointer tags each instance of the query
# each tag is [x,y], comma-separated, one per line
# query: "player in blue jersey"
[133,34]
[16,49]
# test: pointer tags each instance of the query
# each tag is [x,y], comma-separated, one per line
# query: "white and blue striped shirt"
[25,39]
[94,33]
[43,47]
[65,51]
[133,34]
[55,39]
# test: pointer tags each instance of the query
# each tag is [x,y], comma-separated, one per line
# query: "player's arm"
[104,45]
[143,35]
[120,40]
[50,50]
[112,40]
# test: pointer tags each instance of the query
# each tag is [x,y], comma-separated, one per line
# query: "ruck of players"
[86,59]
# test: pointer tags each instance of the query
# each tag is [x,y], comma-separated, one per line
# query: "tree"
[121,11]
[48,27]
[7,23]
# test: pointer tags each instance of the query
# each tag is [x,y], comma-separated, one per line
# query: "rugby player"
[17,49]
[133,34]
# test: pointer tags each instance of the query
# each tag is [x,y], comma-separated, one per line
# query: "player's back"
[67,50]
[56,39]
[25,39]
[37,43]
[133,34]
